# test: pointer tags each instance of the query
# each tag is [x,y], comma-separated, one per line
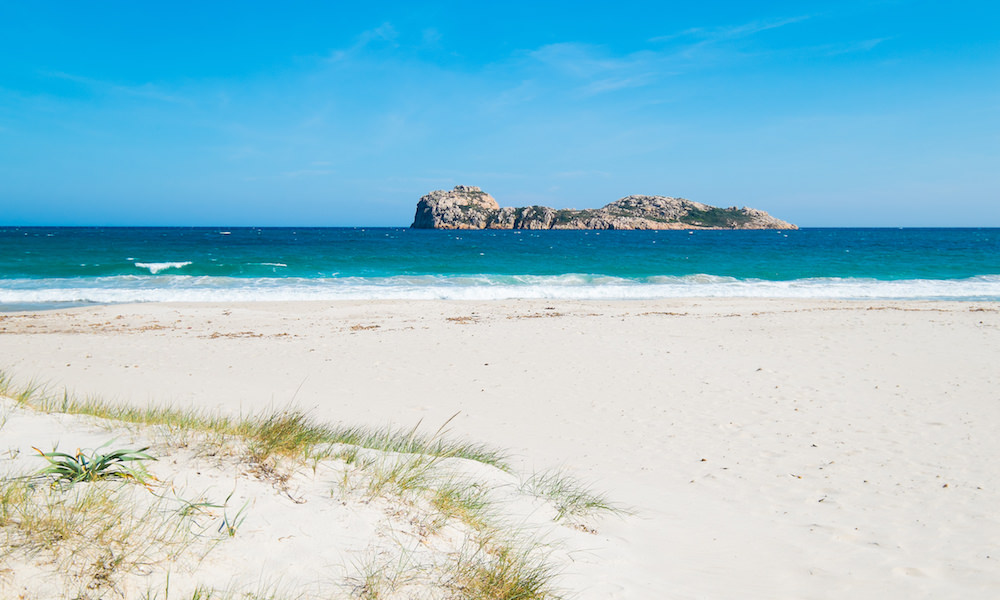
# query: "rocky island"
[468,207]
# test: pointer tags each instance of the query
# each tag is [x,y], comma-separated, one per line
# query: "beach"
[764,448]
[367,301]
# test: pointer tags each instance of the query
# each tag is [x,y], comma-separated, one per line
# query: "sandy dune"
[769,448]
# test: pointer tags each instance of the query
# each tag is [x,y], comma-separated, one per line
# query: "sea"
[50,267]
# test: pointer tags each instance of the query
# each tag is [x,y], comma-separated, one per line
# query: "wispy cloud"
[147,90]
[710,35]
[612,84]
[850,47]
[525,90]
[580,60]
[598,71]
[383,35]
[705,46]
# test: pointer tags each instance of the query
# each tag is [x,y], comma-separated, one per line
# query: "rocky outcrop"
[468,207]
[465,207]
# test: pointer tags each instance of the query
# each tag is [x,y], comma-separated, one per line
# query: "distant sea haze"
[53,266]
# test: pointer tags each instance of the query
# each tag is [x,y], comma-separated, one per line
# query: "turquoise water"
[80,265]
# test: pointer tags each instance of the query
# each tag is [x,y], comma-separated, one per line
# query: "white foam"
[180,288]
[155,268]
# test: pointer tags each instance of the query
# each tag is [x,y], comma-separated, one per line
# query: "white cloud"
[146,90]
[578,60]
[612,84]
[851,47]
[710,35]
[600,72]
[385,35]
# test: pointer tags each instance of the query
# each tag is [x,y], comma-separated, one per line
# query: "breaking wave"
[157,267]
[181,288]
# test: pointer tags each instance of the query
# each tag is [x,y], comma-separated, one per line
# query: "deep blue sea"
[52,266]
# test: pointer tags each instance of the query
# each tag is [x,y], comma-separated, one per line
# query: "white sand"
[770,448]
[318,531]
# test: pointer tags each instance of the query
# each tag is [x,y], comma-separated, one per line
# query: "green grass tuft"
[94,533]
[504,572]
[286,432]
[74,468]
[464,500]
[570,498]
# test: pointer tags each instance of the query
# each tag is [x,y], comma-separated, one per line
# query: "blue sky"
[321,113]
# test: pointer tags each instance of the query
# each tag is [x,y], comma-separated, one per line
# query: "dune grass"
[378,577]
[502,569]
[493,567]
[98,531]
[469,502]
[571,499]
[289,432]
[418,478]
[202,592]
[399,474]
[93,533]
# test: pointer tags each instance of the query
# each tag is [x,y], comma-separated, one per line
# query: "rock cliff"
[468,207]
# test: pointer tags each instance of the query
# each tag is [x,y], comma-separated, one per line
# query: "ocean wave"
[157,267]
[181,288]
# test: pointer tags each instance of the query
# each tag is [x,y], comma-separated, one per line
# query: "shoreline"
[457,298]
[805,439]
